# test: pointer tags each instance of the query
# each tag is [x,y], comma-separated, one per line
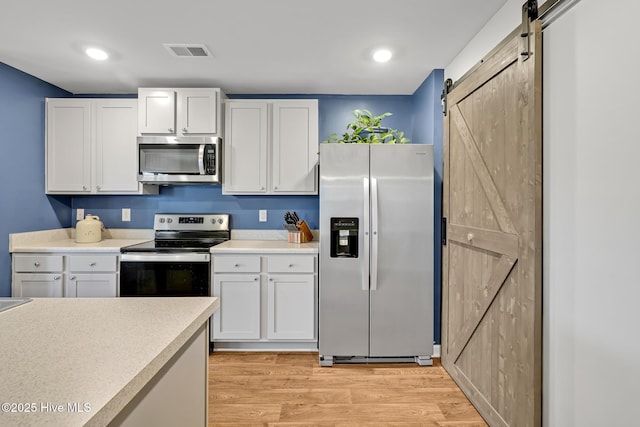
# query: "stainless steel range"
[176,262]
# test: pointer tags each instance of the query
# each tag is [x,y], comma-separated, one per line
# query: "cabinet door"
[291,306]
[245,150]
[92,285]
[38,285]
[157,111]
[68,145]
[295,147]
[239,314]
[198,111]
[116,151]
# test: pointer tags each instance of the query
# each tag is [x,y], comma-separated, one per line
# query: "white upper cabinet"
[116,159]
[91,146]
[271,147]
[157,111]
[180,111]
[68,145]
[245,148]
[295,147]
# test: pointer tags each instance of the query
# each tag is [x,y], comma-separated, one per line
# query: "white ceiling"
[258,46]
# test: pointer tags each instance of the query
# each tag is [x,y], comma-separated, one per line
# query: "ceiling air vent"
[188,50]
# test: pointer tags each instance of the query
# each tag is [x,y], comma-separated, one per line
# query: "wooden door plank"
[493,286]
[489,187]
[490,67]
[494,241]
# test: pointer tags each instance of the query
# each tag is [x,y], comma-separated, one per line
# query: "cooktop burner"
[185,233]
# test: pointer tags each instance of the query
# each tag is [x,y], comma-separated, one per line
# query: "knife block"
[305,233]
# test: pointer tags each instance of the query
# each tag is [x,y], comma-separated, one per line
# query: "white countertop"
[62,241]
[268,246]
[69,245]
[95,351]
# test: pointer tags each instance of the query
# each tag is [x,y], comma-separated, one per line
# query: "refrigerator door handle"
[365,239]
[374,234]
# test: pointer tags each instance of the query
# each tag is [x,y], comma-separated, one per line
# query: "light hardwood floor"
[291,389]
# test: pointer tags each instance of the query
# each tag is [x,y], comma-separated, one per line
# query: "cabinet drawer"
[37,263]
[92,262]
[236,264]
[290,264]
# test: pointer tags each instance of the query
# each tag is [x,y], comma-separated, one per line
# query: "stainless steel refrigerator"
[376,253]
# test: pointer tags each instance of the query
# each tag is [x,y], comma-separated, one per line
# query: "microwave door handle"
[201,159]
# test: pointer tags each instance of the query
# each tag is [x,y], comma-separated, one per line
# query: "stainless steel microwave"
[179,160]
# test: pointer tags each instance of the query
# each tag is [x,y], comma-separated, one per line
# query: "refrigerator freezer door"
[402,223]
[344,281]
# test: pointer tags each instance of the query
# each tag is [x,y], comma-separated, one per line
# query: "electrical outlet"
[262,215]
[79,214]
[126,214]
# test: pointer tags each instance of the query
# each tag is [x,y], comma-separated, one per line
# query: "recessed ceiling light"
[97,54]
[382,55]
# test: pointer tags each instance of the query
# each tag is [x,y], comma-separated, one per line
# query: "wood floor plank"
[279,396]
[378,412]
[291,389]
[411,395]
[241,413]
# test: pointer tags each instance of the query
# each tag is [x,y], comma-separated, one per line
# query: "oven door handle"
[151,257]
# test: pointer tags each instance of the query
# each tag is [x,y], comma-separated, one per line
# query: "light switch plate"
[262,215]
[126,214]
[79,214]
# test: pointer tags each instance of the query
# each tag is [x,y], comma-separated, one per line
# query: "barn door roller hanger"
[529,14]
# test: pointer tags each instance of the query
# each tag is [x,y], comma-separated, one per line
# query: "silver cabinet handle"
[73,277]
[271,279]
[98,187]
[255,279]
[170,129]
[185,130]
[93,264]
[56,278]
[37,264]
[290,265]
[236,265]
[84,187]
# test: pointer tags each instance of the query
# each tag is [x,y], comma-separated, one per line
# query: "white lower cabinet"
[67,275]
[290,307]
[239,316]
[100,285]
[92,276]
[272,306]
[37,285]
[38,275]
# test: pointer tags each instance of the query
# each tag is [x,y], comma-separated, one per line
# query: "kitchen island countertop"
[96,354]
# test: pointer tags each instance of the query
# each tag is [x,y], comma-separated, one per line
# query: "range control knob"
[161,220]
[220,221]
[169,220]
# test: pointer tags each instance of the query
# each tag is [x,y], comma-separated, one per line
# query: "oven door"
[164,275]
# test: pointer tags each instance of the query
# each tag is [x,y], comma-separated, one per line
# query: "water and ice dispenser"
[344,237]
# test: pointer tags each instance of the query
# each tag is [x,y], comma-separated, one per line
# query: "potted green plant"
[367,129]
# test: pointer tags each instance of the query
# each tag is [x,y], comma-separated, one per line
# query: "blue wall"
[25,207]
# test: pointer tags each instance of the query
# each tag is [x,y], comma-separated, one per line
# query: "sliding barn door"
[492,268]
